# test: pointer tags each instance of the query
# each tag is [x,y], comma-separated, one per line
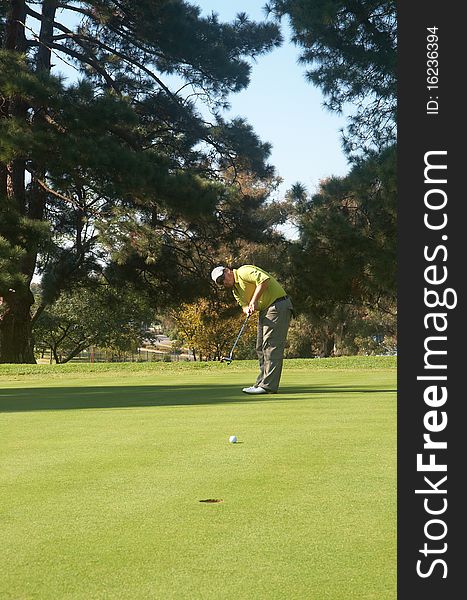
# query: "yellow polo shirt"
[247,278]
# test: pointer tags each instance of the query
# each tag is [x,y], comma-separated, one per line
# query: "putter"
[229,359]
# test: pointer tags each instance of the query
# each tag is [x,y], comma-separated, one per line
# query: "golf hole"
[212,500]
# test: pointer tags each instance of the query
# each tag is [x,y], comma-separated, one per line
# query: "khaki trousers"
[273,325]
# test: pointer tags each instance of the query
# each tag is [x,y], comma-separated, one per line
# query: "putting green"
[102,470]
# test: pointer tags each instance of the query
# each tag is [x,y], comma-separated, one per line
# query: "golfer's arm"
[259,291]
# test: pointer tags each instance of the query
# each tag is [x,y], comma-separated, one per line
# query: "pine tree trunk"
[16,343]
[15,316]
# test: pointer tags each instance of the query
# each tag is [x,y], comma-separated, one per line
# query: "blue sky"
[284,109]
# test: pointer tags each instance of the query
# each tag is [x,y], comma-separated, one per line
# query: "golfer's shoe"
[254,390]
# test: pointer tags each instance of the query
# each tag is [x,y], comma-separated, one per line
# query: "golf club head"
[227,359]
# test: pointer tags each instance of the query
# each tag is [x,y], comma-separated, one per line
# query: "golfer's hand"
[252,307]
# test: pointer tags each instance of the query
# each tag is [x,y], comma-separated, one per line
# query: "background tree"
[254,236]
[93,316]
[344,263]
[209,327]
[242,229]
[342,330]
[350,49]
[114,171]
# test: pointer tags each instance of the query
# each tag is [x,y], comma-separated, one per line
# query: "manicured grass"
[342,362]
[102,469]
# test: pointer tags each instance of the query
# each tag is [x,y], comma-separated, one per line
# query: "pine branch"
[89,59]
[49,190]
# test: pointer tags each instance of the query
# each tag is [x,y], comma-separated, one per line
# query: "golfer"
[256,290]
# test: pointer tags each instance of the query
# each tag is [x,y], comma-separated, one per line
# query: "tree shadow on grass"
[97,397]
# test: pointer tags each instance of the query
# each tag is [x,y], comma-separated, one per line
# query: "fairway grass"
[103,467]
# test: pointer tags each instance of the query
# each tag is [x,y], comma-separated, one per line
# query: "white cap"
[216,273]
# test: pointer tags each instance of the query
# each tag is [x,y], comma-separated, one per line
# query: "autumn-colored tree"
[209,328]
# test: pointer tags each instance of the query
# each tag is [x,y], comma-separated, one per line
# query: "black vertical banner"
[432,263]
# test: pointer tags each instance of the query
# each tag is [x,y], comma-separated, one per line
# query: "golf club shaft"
[239,335]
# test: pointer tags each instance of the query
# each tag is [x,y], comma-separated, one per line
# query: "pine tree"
[121,166]
[346,253]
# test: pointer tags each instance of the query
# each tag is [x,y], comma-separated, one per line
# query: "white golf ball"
[233,439]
